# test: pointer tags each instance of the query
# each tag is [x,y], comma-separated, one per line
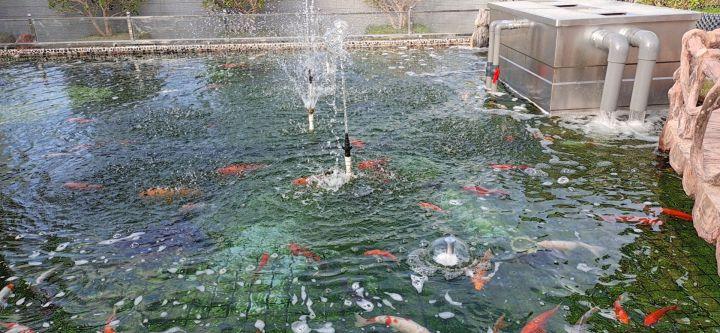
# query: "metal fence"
[224,26]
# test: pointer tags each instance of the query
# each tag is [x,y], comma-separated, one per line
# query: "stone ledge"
[74,52]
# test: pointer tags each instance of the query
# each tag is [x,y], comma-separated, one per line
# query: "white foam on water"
[599,128]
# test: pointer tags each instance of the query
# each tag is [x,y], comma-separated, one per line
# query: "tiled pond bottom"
[82,140]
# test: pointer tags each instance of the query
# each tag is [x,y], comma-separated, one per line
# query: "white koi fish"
[401,325]
[581,325]
[569,246]
[46,274]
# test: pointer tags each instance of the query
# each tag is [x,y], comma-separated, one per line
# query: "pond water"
[112,177]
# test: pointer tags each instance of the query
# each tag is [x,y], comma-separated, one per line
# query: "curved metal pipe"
[618,48]
[648,45]
[490,67]
[492,70]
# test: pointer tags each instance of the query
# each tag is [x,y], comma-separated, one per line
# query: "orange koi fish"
[398,324]
[82,186]
[79,120]
[239,169]
[677,213]
[381,253]
[429,206]
[357,143]
[508,167]
[620,313]
[298,250]
[168,193]
[479,277]
[482,192]
[509,138]
[537,324]
[263,262]
[655,317]
[372,164]
[302,181]
[499,324]
[16,328]
[109,327]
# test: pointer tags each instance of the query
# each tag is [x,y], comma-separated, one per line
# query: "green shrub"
[388,29]
[683,4]
[6,38]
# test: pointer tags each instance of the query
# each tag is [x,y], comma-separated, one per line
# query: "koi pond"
[173,193]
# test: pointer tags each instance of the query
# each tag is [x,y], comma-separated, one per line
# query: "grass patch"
[387,29]
[710,10]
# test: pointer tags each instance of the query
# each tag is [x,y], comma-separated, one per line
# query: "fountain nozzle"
[311,119]
[348,158]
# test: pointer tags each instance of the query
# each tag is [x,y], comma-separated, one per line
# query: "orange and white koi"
[372,164]
[483,192]
[16,328]
[402,325]
[537,324]
[82,186]
[357,143]
[642,220]
[110,323]
[430,206]
[239,169]
[569,246]
[169,192]
[5,293]
[381,253]
[79,120]
[298,250]
[508,167]
[479,275]
[656,315]
[677,213]
[620,313]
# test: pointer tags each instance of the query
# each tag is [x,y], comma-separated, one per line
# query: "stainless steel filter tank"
[554,63]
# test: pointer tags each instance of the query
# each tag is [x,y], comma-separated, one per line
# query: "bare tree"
[396,9]
[96,8]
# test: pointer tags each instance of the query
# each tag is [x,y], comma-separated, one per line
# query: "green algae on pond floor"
[195,262]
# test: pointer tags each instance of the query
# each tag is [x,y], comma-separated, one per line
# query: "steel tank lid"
[591,12]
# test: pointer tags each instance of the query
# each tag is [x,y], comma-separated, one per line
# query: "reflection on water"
[168,189]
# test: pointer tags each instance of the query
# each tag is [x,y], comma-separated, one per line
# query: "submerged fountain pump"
[348,158]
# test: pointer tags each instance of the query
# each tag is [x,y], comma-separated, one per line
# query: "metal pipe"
[648,45]
[496,28]
[489,67]
[618,48]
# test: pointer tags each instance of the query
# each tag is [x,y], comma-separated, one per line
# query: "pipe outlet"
[618,48]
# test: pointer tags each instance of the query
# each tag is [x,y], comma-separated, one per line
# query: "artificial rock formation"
[692,131]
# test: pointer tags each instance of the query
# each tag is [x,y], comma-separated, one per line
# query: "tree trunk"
[106,19]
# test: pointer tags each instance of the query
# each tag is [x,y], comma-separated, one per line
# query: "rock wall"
[691,133]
